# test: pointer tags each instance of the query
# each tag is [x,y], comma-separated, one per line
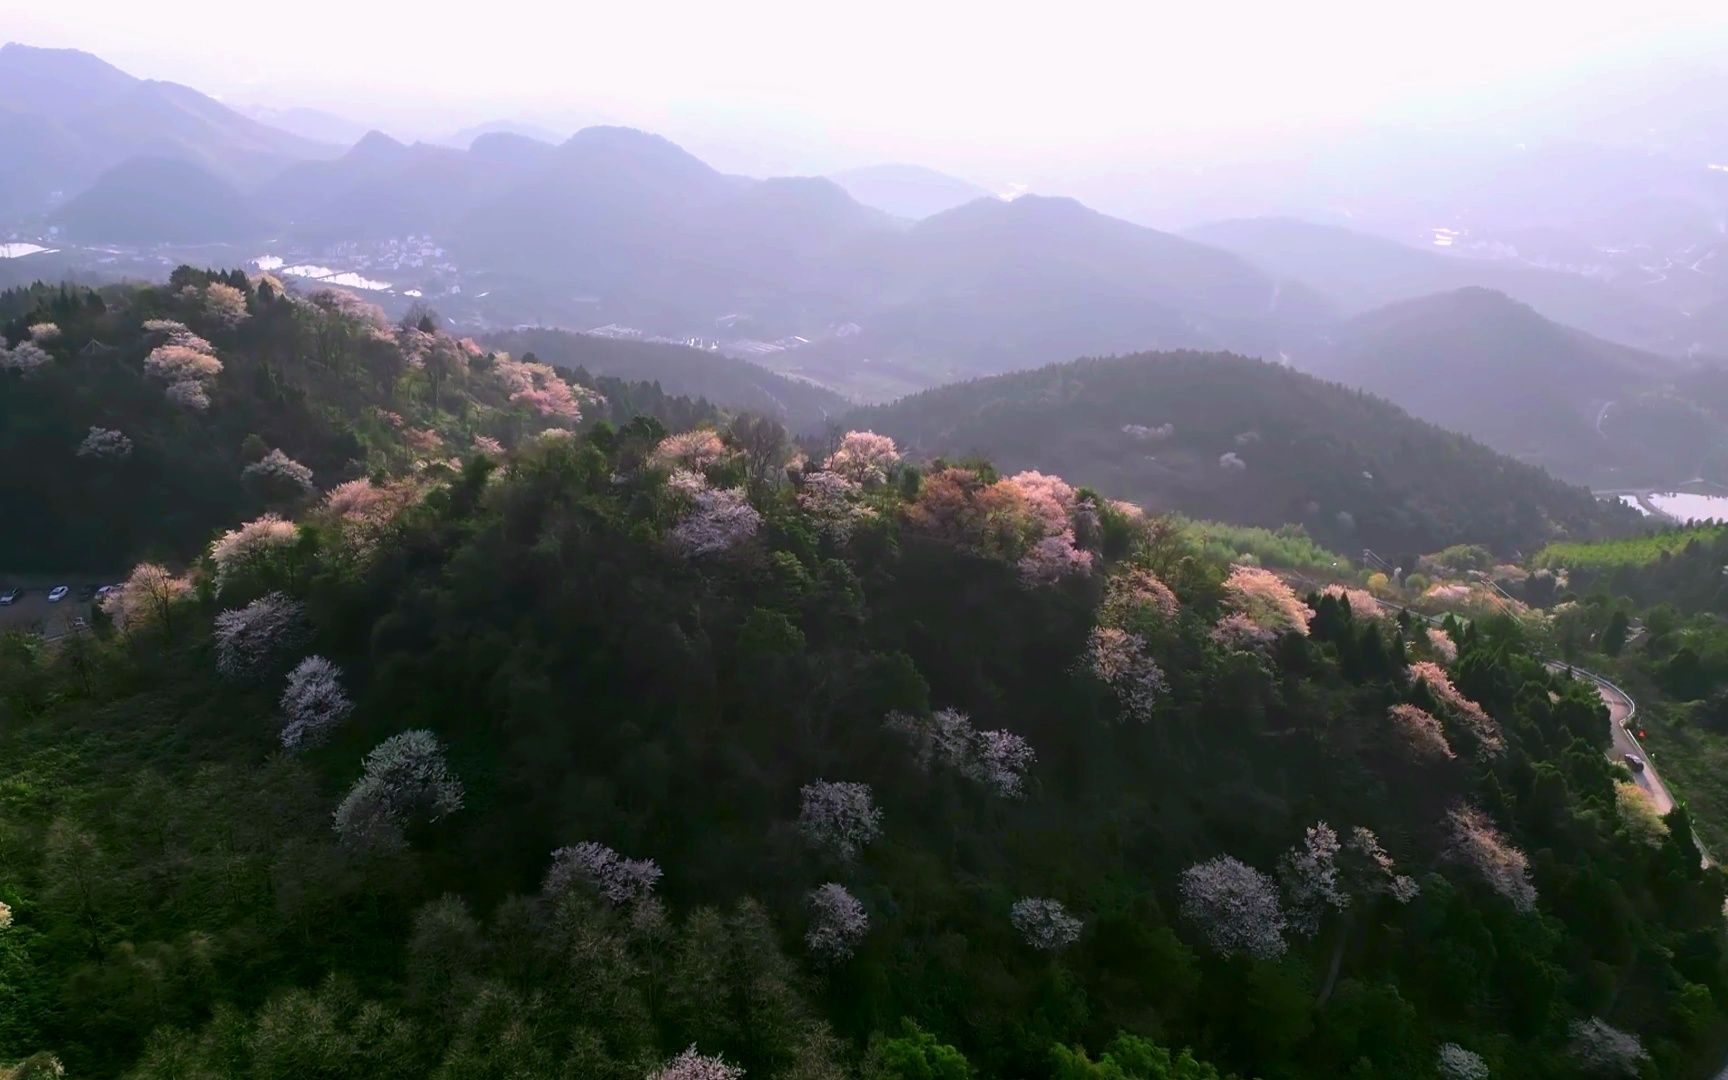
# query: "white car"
[58,594]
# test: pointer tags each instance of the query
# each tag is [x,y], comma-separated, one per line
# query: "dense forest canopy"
[634,753]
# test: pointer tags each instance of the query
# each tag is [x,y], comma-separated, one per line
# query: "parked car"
[10,597]
[57,594]
[105,590]
[1636,762]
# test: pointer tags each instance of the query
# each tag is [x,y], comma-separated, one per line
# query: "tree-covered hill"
[137,419]
[1476,361]
[728,382]
[679,756]
[1225,437]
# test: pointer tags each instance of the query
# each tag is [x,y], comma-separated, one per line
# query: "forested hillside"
[136,420]
[1235,439]
[728,382]
[632,754]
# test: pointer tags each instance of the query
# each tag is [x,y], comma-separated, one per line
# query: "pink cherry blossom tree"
[864,457]
[1476,842]
[1488,737]
[1119,660]
[239,549]
[691,1065]
[1421,731]
[718,521]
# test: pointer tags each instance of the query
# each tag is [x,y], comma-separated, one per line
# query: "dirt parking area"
[32,610]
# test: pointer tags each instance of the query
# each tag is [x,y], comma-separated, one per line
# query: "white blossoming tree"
[1309,873]
[717,521]
[105,444]
[405,781]
[314,703]
[1601,1049]
[837,922]
[1453,1062]
[839,816]
[999,760]
[250,640]
[278,475]
[1044,923]
[595,866]
[1120,661]
[1234,907]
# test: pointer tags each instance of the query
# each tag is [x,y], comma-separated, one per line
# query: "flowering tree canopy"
[1235,908]
[1309,873]
[840,816]
[1361,601]
[105,444]
[1456,1063]
[1440,643]
[837,922]
[1421,731]
[43,333]
[25,358]
[224,304]
[1044,923]
[1602,1049]
[1479,844]
[1473,716]
[1134,595]
[252,542]
[718,521]
[695,450]
[1639,814]
[1119,660]
[1263,597]
[864,457]
[145,597]
[405,779]
[832,501]
[279,472]
[998,759]
[616,879]
[691,1065]
[539,387]
[250,640]
[313,702]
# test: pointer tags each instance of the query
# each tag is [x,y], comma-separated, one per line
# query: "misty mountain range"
[883,280]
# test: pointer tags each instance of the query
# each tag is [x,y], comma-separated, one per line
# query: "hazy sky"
[797,84]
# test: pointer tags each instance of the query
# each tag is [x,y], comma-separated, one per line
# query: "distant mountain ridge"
[1363,272]
[913,192]
[66,117]
[1476,361]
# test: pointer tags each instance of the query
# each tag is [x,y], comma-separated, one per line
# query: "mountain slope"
[561,766]
[160,200]
[328,383]
[727,382]
[1476,361]
[908,191]
[1248,442]
[1364,272]
[66,117]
